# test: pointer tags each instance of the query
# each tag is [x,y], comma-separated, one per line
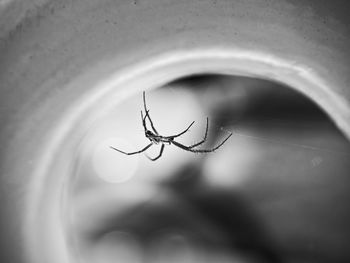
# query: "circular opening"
[262,172]
[259,197]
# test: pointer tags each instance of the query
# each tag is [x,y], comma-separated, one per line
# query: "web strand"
[304,146]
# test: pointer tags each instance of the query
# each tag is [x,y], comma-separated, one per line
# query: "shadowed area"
[213,219]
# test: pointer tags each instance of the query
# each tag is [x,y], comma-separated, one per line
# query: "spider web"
[236,132]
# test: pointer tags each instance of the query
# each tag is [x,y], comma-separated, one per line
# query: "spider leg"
[147,113]
[179,134]
[159,155]
[143,121]
[204,139]
[131,153]
[198,143]
[189,149]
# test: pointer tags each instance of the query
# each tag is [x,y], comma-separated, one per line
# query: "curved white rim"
[148,73]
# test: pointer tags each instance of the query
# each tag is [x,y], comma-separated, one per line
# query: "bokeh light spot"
[113,166]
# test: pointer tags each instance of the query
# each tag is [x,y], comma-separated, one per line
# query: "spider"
[156,138]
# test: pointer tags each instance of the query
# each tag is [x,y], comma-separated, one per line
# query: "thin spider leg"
[143,121]
[179,134]
[147,113]
[187,148]
[159,155]
[131,153]
[204,139]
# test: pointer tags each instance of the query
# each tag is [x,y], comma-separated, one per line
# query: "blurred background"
[276,191]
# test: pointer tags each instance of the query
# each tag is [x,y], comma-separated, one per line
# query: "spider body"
[156,138]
